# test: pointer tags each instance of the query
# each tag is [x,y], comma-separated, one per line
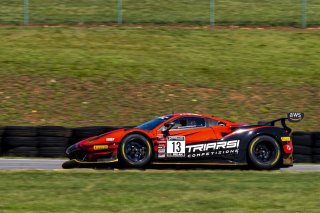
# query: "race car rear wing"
[291,117]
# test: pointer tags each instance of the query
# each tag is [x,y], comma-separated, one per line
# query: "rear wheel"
[135,151]
[264,152]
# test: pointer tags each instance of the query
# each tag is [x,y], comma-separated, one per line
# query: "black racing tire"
[135,151]
[74,140]
[1,146]
[89,131]
[317,143]
[54,131]
[300,133]
[20,131]
[302,138]
[316,158]
[316,135]
[23,152]
[316,150]
[1,130]
[302,158]
[264,152]
[53,141]
[11,142]
[304,150]
[52,152]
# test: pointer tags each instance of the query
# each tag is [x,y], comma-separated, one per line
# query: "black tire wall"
[52,141]
[306,147]
[44,141]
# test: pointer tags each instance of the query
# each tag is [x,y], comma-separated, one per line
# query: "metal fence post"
[212,13]
[26,12]
[119,11]
[304,4]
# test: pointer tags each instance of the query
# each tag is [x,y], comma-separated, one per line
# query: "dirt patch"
[35,100]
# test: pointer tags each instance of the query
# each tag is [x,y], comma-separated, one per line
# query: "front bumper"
[71,149]
[75,152]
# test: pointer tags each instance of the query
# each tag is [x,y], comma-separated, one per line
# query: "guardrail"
[52,141]
[243,12]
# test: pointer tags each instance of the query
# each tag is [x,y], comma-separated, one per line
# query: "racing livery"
[186,138]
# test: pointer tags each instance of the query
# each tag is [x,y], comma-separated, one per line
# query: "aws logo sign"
[295,116]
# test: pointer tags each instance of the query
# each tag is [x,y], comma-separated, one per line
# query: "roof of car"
[192,114]
[196,114]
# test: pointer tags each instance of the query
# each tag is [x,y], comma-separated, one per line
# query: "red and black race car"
[186,138]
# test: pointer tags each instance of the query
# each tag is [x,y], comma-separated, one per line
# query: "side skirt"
[95,162]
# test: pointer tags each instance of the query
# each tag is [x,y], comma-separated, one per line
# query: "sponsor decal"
[285,138]
[219,148]
[288,149]
[176,146]
[109,139]
[100,147]
[162,150]
[295,116]
[161,155]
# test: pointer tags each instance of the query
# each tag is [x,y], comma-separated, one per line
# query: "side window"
[189,122]
[212,122]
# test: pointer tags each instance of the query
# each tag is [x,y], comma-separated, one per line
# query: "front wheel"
[264,152]
[135,151]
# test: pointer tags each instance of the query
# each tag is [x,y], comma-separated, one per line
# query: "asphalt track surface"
[51,164]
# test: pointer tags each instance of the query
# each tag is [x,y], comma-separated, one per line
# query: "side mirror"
[168,126]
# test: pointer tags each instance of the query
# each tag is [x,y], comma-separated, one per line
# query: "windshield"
[149,125]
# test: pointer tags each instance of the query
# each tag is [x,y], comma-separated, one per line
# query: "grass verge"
[158,191]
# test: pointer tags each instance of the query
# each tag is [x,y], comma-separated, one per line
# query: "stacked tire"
[316,147]
[53,140]
[302,147]
[81,133]
[20,141]
[1,133]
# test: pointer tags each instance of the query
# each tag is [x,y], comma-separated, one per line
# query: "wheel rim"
[136,150]
[265,152]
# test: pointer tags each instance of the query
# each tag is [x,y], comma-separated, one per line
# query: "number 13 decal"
[176,146]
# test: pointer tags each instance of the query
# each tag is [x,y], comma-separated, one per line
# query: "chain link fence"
[194,12]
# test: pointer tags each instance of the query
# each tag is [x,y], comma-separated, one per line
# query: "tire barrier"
[306,147]
[54,131]
[316,147]
[52,141]
[81,133]
[44,141]
[24,131]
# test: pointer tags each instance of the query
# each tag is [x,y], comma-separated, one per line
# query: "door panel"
[195,135]
[221,131]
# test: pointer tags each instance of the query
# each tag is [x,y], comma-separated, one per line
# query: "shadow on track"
[172,167]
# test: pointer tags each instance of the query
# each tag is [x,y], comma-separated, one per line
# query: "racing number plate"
[176,146]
